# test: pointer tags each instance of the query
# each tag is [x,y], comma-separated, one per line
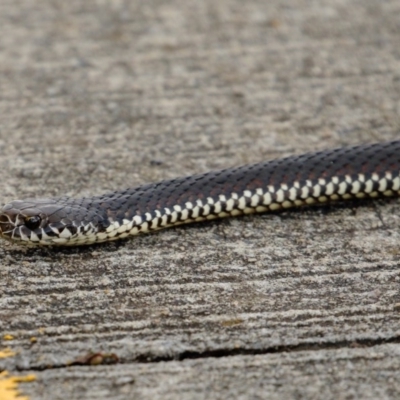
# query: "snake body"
[331,175]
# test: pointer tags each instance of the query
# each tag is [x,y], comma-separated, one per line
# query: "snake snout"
[19,221]
[6,225]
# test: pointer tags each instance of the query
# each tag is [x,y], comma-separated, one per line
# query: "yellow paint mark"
[6,353]
[232,322]
[9,386]
[8,337]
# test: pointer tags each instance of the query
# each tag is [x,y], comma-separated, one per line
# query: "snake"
[363,171]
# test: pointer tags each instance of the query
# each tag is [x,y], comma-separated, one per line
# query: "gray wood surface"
[96,96]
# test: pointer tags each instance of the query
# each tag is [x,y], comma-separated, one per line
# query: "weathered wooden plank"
[99,96]
[330,374]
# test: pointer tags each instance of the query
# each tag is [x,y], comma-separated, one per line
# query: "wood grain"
[98,96]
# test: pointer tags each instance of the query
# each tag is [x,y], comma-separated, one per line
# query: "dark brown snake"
[320,177]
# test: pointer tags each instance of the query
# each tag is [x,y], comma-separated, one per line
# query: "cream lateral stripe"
[242,203]
[342,187]
[280,196]
[145,226]
[298,194]
[122,229]
[257,200]
[129,224]
[329,189]
[57,232]
[247,193]
[134,231]
[382,185]
[64,234]
[254,201]
[230,204]
[316,191]
[356,186]
[250,201]
[217,207]
[293,193]
[267,199]
[115,225]
[206,208]
[368,186]
[185,214]
[173,216]
[396,183]
[137,220]
[305,192]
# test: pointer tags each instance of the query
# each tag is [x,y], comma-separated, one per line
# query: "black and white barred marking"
[271,199]
[331,175]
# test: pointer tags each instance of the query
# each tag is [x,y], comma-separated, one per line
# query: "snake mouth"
[13,224]
[7,226]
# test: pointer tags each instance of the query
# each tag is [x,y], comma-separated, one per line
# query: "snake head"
[36,222]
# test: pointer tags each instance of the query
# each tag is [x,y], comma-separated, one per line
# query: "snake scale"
[350,172]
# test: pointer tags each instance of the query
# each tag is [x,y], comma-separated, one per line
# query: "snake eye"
[33,222]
